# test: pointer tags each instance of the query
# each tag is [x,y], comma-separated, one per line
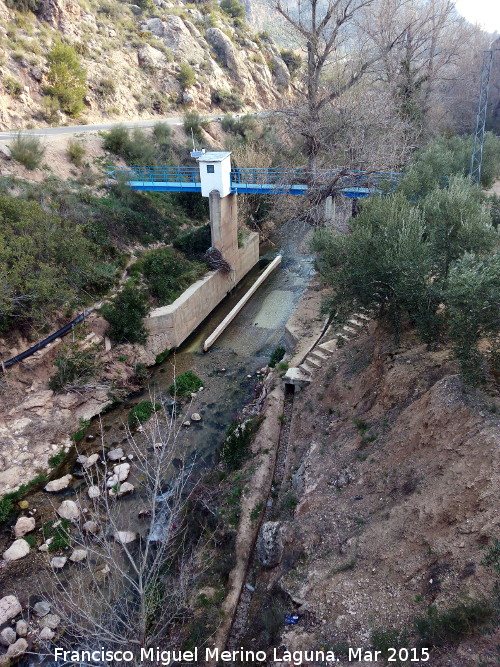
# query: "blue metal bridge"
[249,180]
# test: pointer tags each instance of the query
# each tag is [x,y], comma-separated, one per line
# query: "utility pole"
[484,89]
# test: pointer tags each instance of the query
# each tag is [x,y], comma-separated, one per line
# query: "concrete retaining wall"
[169,326]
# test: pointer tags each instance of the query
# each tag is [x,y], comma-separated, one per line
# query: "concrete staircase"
[301,375]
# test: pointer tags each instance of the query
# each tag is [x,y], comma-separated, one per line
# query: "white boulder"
[59,484]
[58,562]
[125,536]
[9,608]
[18,549]
[21,628]
[115,454]
[68,509]
[93,492]
[46,634]
[25,524]
[122,471]
[78,555]
[7,636]
[17,648]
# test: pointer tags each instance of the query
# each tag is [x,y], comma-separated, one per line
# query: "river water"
[228,369]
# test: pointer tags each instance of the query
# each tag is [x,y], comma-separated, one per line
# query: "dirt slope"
[395,472]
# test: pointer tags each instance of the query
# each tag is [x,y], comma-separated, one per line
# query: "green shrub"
[30,539]
[492,556]
[59,534]
[237,441]
[141,412]
[184,384]
[226,100]
[67,78]
[135,148]
[292,60]
[12,86]
[276,356]
[233,7]
[78,436]
[168,273]
[162,134]
[56,459]
[194,242]
[75,367]
[27,150]
[76,152]
[116,140]
[186,76]
[24,5]
[8,500]
[439,627]
[105,88]
[125,315]
[193,123]
[472,302]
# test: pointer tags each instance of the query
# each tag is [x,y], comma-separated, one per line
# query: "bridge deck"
[272,181]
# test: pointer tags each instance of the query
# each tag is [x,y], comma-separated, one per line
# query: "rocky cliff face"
[133,57]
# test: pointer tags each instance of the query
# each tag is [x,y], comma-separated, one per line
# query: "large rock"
[21,628]
[122,471]
[63,15]
[46,634]
[9,608]
[155,26]
[150,57]
[78,555]
[183,38]
[90,527]
[58,562]
[125,536]
[280,72]
[68,509]
[5,152]
[17,648]
[50,621]
[270,544]
[92,460]
[224,49]
[18,549]
[7,636]
[42,608]
[93,492]
[115,454]
[59,484]
[24,525]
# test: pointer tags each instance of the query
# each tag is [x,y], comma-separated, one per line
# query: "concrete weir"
[169,326]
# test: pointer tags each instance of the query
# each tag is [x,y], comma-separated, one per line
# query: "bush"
[235,447]
[292,60]
[67,78]
[186,76]
[105,88]
[12,86]
[141,412]
[76,152]
[168,273]
[75,366]
[234,8]
[473,306]
[193,123]
[27,150]
[452,625]
[226,100]
[194,242]
[125,315]
[276,356]
[184,384]
[162,134]
[24,5]
[59,530]
[136,148]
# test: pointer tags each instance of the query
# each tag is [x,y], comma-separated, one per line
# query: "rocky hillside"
[139,60]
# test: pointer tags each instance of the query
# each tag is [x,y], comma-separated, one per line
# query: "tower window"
[210,169]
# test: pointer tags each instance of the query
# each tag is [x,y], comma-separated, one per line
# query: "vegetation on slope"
[409,257]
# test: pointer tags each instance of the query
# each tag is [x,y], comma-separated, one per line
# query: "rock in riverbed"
[59,484]
[18,549]
[68,509]
[25,524]
[9,608]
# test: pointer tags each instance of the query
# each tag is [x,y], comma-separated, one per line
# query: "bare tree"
[135,577]
[338,57]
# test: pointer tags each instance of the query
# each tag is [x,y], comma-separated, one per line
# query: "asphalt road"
[77,129]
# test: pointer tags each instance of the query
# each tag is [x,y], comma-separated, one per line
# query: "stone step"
[330,346]
[356,323]
[304,366]
[297,377]
[318,354]
[348,330]
[316,363]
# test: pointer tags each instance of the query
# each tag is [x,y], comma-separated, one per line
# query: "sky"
[484,12]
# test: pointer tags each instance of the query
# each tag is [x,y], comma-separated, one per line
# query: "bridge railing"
[280,176]
[153,174]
